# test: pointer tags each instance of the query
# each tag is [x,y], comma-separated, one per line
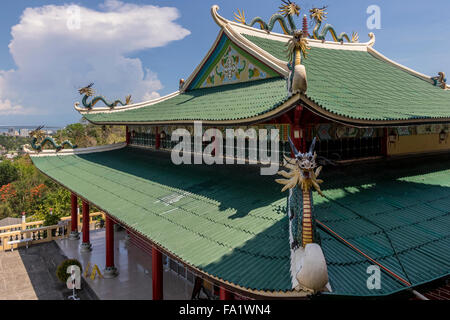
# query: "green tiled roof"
[223,222]
[357,85]
[350,84]
[230,102]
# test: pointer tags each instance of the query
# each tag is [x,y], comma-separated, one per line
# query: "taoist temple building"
[381,134]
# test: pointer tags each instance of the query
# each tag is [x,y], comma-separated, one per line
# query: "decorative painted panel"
[331,131]
[230,64]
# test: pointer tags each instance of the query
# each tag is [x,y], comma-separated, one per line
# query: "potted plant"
[61,271]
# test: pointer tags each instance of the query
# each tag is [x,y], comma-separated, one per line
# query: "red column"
[73,212]
[74,216]
[384,142]
[157,138]
[157,275]
[127,135]
[110,269]
[297,131]
[109,234]
[225,295]
[85,245]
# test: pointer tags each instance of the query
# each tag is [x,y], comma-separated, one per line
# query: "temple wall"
[418,143]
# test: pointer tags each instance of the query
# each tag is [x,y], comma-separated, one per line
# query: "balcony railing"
[25,234]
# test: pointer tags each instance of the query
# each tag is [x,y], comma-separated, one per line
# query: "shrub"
[51,220]
[61,271]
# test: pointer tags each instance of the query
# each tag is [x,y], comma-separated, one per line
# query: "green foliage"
[61,271]
[34,193]
[89,135]
[51,220]
[13,143]
[8,172]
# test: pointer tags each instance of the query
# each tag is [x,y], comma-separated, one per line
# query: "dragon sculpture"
[88,92]
[296,47]
[319,15]
[285,17]
[308,265]
[39,135]
[440,80]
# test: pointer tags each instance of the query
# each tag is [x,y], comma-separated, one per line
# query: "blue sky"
[42,69]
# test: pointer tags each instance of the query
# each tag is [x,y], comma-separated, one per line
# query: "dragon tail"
[280,19]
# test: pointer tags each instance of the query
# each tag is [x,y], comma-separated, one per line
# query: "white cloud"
[7,108]
[57,49]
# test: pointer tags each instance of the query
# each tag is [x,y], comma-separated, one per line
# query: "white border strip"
[71,152]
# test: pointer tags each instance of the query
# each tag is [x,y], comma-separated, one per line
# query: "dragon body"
[39,134]
[285,17]
[88,92]
[297,46]
[440,80]
[308,265]
[51,141]
[319,15]
[301,178]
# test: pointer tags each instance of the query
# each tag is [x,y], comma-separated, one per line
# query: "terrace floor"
[30,274]
[134,281]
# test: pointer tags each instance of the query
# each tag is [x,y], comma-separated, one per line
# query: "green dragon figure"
[440,80]
[308,264]
[296,47]
[39,134]
[319,15]
[89,92]
[287,12]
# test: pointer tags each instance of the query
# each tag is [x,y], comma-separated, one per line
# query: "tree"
[8,172]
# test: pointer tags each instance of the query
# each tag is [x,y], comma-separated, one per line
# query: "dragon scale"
[307,227]
[96,99]
[51,141]
[328,28]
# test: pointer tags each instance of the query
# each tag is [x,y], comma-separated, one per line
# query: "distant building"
[24,132]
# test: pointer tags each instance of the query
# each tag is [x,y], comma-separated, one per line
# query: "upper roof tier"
[242,80]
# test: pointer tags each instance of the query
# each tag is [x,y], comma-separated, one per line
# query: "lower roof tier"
[242,102]
[229,222]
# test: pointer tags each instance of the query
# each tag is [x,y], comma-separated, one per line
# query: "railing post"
[74,234]
[24,220]
[110,270]
[85,245]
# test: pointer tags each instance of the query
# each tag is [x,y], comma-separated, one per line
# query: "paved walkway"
[134,281]
[30,274]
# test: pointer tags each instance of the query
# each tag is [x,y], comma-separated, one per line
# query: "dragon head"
[303,170]
[38,133]
[289,8]
[318,14]
[298,41]
[306,161]
[88,90]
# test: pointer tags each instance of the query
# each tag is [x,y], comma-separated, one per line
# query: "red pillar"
[157,138]
[384,142]
[86,245]
[157,275]
[74,217]
[127,135]
[110,269]
[225,295]
[297,132]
